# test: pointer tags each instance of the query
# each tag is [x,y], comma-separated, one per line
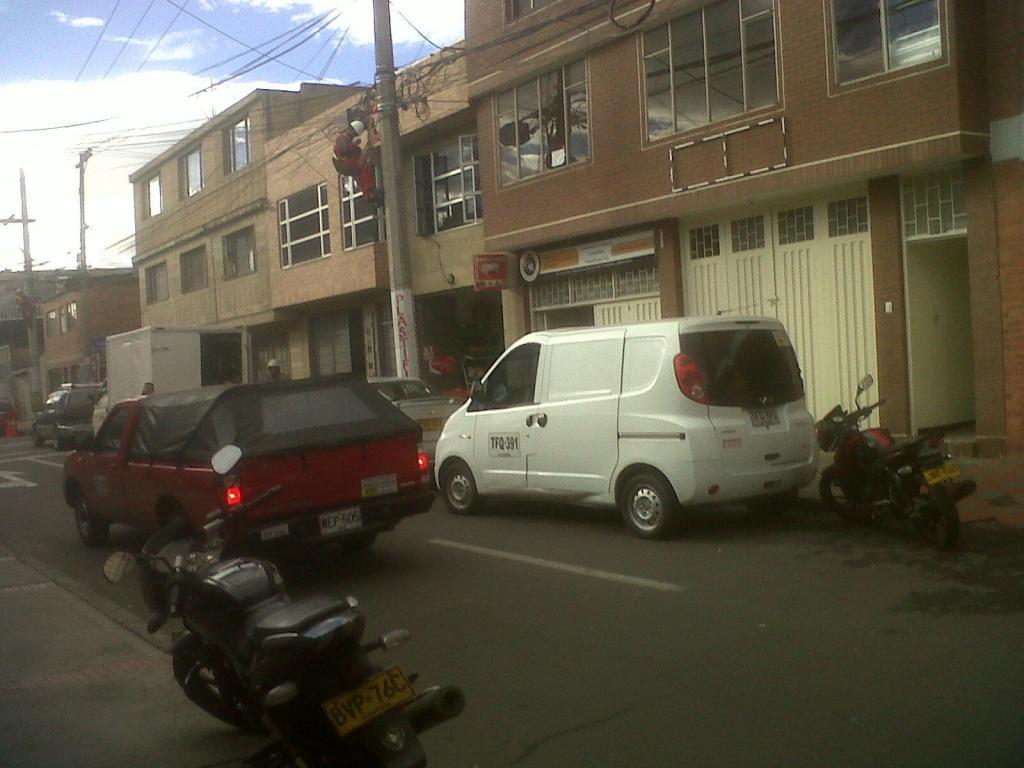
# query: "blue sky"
[147,57]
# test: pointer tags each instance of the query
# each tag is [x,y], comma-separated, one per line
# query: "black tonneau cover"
[264,419]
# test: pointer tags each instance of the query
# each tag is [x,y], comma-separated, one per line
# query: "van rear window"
[746,368]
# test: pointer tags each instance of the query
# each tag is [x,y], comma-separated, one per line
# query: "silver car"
[421,402]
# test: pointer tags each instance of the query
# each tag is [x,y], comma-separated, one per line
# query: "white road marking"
[579,570]
[9,459]
[34,460]
[11,480]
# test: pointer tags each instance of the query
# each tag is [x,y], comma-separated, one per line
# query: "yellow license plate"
[941,474]
[380,693]
[432,425]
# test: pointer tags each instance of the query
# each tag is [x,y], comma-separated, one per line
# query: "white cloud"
[148,107]
[172,48]
[79,22]
[440,20]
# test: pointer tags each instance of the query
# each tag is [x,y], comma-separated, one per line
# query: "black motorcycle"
[871,476]
[262,662]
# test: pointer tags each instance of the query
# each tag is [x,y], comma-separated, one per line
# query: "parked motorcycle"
[870,476]
[260,661]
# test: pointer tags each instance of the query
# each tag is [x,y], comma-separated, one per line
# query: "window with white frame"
[544,124]
[875,36]
[847,217]
[796,225]
[709,65]
[239,253]
[704,242]
[448,187]
[747,234]
[154,197]
[156,283]
[934,203]
[192,173]
[359,222]
[193,270]
[238,145]
[305,226]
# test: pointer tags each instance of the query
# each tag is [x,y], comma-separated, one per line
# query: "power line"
[96,44]
[416,29]
[334,53]
[130,37]
[258,46]
[57,127]
[161,38]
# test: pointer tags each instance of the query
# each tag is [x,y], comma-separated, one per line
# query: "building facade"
[852,168]
[113,307]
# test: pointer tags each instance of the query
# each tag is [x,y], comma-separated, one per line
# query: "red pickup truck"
[347,460]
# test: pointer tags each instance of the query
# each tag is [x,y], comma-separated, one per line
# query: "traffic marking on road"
[22,457]
[11,480]
[34,460]
[555,565]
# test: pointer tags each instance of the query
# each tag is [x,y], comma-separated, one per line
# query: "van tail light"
[233,496]
[423,461]
[690,379]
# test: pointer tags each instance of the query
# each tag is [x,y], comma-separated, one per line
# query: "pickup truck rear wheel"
[459,488]
[91,529]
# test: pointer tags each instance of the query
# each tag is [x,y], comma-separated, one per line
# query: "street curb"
[161,640]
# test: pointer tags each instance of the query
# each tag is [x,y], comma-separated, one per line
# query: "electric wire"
[161,38]
[95,45]
[131,36]
[330,59]
[415,29]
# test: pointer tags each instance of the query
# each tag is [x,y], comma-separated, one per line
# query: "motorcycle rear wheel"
[199,679]
[943,523]
[834,497]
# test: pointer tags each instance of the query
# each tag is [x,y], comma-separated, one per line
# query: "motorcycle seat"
[296,617]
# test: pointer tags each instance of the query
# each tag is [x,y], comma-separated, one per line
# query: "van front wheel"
[459,489]
[648,506]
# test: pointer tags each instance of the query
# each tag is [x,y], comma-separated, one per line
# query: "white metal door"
[628,312]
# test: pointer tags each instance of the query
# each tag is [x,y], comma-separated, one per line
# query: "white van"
[643,417]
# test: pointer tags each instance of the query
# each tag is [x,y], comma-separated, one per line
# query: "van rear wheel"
[459,488]
[648,506]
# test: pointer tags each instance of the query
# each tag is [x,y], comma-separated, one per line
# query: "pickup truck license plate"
[764,417]
[340,520]
[431,425]
[380,693]
[941,474]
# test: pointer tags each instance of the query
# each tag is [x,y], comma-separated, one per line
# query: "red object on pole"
[10,425]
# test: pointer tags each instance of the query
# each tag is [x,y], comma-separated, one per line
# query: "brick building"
[851,167]
[113,307]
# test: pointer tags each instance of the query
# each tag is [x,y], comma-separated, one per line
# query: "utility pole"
[403,310]
[35,382]
[85,372]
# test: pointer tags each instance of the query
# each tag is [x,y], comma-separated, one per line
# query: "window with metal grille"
[359,222]
[704,242]
[637,279]
[304,226]
[543,124]
[847,217]
[709,65]
[747,234]
[875,36]
[796,225]
[448,187]
[934,204]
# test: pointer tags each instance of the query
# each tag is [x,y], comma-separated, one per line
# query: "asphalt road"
[743,641]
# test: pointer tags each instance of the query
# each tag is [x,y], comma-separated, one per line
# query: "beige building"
[205,228]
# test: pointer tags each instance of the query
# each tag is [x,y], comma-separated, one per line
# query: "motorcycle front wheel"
[204,684]
[832,493]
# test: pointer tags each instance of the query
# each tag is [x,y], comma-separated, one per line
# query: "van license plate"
[340,520]
[764,417]
[380,693]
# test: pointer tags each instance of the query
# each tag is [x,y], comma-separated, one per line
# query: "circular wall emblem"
[529,265]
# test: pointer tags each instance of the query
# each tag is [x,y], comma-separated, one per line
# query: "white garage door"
[809,266]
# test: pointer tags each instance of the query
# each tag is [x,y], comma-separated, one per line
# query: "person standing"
[275,372]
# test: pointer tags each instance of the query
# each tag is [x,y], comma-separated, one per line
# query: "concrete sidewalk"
[1000,494]
[79,690]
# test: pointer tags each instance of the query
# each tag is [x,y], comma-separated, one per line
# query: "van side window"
[514,381]
[111,433]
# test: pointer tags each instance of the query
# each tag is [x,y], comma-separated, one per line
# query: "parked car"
[644,417]
[420,402]
[66,415]
[347,458]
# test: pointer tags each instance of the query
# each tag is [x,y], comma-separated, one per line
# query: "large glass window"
[193,270]
[305,226]
[239,253]
[359,223]
[710,65]
[156,283]
[238,140]
[544,124]
[448,187]
[192,173]
[874,36]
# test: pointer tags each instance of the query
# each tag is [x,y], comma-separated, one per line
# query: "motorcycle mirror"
[118,566]
[866,383]
[395,638]
[226,459]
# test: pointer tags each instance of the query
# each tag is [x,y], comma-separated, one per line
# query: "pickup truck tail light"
[423,462]
[233,496]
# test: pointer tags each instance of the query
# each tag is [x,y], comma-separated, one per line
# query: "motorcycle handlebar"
[435,706]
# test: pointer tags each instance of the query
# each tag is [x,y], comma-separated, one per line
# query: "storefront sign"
[623,248]
[490,271]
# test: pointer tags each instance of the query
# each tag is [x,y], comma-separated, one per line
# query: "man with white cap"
[350,158]
[274,370]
